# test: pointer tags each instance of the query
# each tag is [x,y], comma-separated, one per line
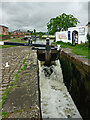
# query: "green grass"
[24,67]
[18,40]
[24,60]
[2,35]
[80,49]
[13,40]
[3,114]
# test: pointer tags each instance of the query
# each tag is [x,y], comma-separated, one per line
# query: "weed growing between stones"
[24,67]
[24,61]
[12,85]
[3,114]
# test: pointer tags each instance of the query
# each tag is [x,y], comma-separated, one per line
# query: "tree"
[28,30]
[10,34]
[62,21]
[34,31]
[88,37]
[26,33]
[89,22]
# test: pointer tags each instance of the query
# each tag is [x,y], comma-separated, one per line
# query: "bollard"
[47,52]
[29,41]
[47,41]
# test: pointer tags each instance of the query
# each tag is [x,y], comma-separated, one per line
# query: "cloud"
[29,15]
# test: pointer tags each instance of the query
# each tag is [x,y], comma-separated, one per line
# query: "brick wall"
[4,30]
[16,34]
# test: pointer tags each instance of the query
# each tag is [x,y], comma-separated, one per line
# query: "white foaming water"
[56,101]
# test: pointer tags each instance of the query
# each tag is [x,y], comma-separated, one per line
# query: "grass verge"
[79,49]
[12,40]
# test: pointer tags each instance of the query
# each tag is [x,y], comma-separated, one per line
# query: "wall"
[5,32]
[83,37]
[4,37]
[62,36]
[82,34]
[17,36]
[77,79]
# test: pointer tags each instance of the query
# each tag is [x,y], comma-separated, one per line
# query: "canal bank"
[22,99]
[76,74]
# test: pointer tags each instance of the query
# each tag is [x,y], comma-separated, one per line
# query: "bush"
[88,36]
[26,34]
[60,42]
[10,34]
[68,43]
[2,35]
[83,45]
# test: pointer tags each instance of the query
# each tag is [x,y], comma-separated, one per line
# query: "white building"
[69,36]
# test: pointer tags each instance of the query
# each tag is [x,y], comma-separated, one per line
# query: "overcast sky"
[36,15]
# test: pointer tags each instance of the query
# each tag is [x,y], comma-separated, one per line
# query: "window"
[69,36]
[3,29]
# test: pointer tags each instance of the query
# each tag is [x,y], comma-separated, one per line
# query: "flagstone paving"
[23,99]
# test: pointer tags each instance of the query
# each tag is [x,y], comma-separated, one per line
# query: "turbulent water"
[55,99]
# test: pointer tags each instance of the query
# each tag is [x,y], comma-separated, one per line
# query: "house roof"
[18,31]
[3,26]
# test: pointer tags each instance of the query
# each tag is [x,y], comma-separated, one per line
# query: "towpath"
[20,75]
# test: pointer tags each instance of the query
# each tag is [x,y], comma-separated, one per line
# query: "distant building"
[17,33]
[3,30]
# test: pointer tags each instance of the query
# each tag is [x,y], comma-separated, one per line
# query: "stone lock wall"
[77,79]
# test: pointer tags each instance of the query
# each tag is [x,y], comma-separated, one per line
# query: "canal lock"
[55,100]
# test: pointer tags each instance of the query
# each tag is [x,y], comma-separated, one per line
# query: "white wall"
[62,36]
[82,34]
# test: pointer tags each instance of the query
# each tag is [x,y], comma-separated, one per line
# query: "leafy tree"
[9,33]
[88,37]
[89,22]
[31,32]
[28,30]
[26,33]
[62,21]
[34,32]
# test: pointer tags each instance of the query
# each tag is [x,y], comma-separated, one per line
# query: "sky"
[27,15]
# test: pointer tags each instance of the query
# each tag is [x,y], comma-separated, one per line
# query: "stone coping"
[81,59]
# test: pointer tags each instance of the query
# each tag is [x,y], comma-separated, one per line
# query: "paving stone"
[23,96]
